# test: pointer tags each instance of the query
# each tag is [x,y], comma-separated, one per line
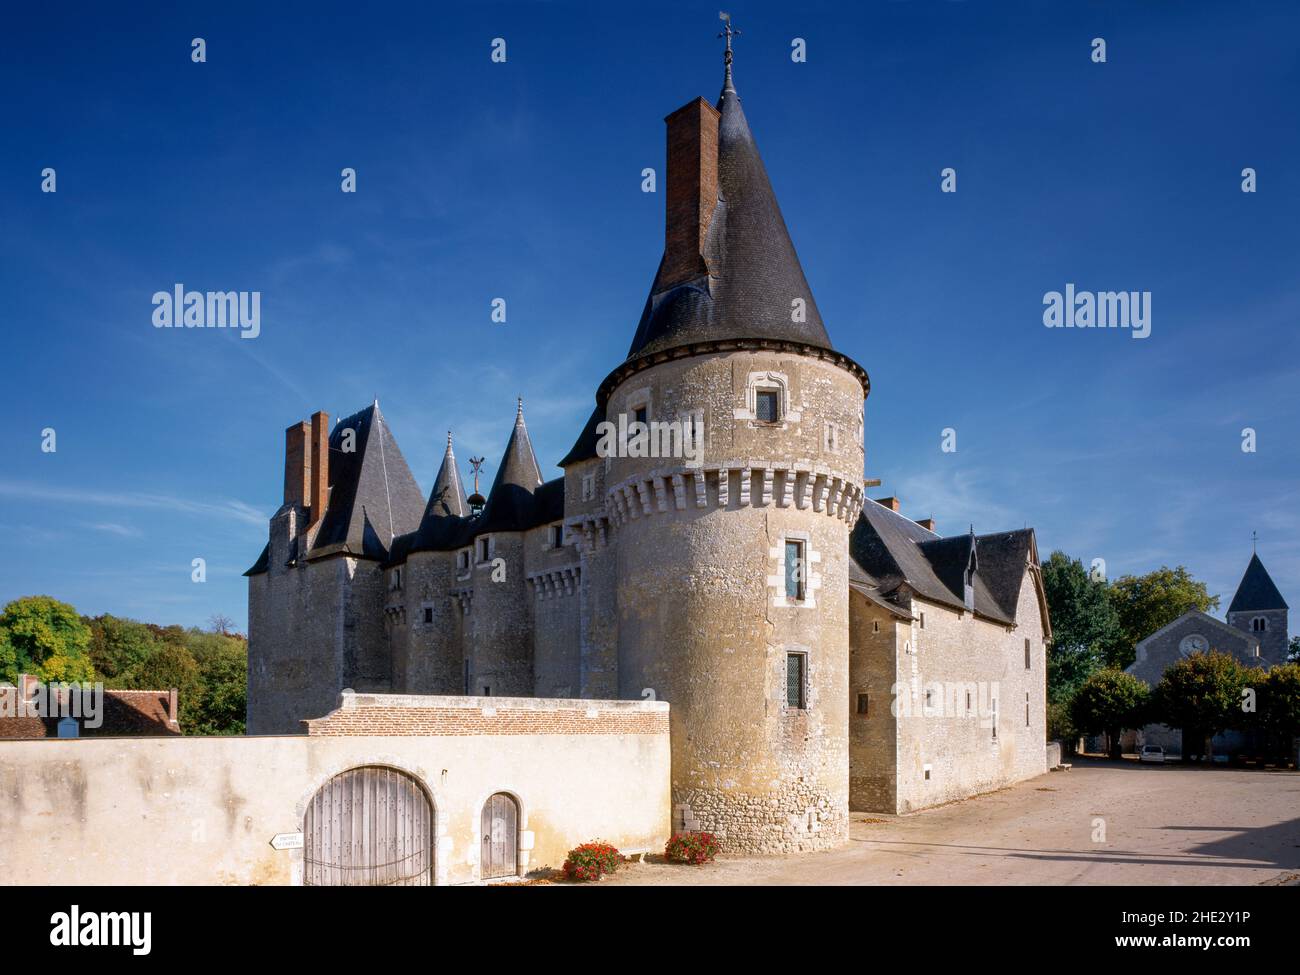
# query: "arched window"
[1259,624]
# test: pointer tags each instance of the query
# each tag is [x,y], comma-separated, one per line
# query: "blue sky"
[522,180]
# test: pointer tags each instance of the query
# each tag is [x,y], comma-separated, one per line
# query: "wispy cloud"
[230,509]
[112,528]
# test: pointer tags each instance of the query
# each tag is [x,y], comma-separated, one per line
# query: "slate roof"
[584,448]
[755,272]
[1257,590]
[373,496]
[446,517]
[510,504]
[891,551]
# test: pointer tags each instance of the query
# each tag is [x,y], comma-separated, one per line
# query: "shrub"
[695,848]
[591,861]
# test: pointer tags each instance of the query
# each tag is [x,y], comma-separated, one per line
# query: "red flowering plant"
[693,848]
[591,861]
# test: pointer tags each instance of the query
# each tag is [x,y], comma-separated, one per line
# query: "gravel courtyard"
[1163,825]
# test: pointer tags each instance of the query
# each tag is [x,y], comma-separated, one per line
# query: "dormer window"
[767,405]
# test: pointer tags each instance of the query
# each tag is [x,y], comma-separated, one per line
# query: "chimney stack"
[171,706]
[297,465]
[692,191]
[891,503]
[320,464]
[926,523]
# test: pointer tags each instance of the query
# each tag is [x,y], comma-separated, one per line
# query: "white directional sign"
[287,841]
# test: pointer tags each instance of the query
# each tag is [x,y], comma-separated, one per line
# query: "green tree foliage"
[119,645]
[41,636]
[1084,624]
[1278,704]
[1146,603]
[1201,694]
[1109,701]
[223,667]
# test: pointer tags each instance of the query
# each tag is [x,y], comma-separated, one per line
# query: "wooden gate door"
[500,828]
[368,827]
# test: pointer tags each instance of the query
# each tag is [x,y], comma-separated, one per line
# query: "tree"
[168,666]
[46,638]
[1201,694]
[117,645]
[223,671]
[1279,706]
[1146,603]
[1293,650]
[1084,624]
[1109,701]
[221,624]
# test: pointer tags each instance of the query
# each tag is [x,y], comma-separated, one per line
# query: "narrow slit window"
[863,704]
[1027,652]
[796,668]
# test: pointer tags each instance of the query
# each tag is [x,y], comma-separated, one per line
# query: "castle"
[819,651]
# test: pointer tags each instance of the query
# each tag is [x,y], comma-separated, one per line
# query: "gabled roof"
[755,272]
[510,503]
[1257,590]
[124,714]
[892,551]
[373,497]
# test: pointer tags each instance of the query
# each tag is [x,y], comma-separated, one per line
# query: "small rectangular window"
[795,667]
[641,414]
[483,549]
[862,704]
[995,719]
[923,621]
[1026,654]
[794,570]
[557,536]
[875,626]
[428,614]
[768,406]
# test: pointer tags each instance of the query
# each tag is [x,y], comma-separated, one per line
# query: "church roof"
[755,272]
[892,551]
[1257,590]
[373,497]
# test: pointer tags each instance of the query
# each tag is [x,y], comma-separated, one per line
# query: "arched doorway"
[368,827]
[500,837]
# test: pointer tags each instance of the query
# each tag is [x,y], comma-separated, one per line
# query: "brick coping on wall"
[411,714]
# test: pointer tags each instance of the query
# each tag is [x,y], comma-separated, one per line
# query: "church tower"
[733,493]
[1259,608]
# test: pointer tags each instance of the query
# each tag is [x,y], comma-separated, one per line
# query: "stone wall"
[100,811]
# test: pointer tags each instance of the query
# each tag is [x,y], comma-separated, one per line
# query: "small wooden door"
[500,828]
[369,826]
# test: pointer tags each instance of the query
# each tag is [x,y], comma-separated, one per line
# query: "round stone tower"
[734,475]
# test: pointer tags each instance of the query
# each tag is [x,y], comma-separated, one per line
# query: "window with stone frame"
[795,570]
[796,679]
[767,405]
[484,548]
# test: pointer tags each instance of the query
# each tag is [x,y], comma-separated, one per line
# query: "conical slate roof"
[756,274]
[445,515]
[1257,590]
[510,503]
[373,496]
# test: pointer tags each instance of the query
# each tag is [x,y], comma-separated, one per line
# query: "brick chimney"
[297,465]
[692,190]
[891,503]
[926,523]
[171,706]
[320,463]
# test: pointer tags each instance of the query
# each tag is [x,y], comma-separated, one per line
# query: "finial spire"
[728,33]
[448,441]
[519,413]
[1254,537]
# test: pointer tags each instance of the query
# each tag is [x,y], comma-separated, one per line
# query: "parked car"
[1152,753]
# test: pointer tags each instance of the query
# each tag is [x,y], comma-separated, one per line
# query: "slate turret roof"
[1257,590]
[445,516]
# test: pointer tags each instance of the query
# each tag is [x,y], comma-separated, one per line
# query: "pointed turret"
[740,277]
[447,497]
[510,502]
[1257,591]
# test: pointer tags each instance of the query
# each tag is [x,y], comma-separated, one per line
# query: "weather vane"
[728,33]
